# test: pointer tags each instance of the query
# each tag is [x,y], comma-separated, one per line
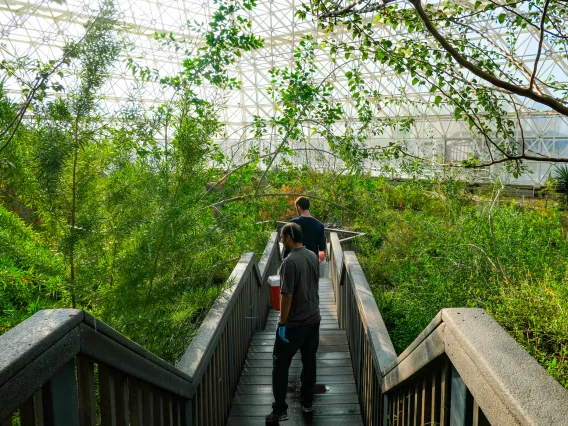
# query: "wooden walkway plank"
[330,390]
[298,420]
[267,363]
[335,400]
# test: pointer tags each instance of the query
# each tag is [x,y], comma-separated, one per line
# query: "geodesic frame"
[39,28]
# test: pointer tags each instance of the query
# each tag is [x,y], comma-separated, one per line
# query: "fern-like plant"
[561,175]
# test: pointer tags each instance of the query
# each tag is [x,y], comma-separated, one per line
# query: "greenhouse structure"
[298,212]
[41,29]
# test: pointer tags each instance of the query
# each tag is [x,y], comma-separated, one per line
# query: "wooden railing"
[216,355]
[64,366]
[52,364]
[345,236]
[463,369]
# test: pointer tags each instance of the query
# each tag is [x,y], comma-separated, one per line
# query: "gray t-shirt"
[299,275]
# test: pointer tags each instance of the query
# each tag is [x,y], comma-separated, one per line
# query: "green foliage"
[448,52]
[441,249]
[120,218]
[561,175]
[31,274]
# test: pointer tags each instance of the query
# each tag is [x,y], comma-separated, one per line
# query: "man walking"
[313,229]
[299,322]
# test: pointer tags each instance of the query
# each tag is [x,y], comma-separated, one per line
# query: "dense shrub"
[451,251]
[434,244]
[31,274]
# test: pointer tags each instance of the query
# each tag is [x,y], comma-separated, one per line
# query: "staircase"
[335,399]
[65,367]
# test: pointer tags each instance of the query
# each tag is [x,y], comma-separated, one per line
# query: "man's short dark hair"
[303,202]
[294,230]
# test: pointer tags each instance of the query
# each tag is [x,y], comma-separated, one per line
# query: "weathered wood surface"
[335,402]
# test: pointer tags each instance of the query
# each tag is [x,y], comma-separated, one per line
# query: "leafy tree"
[449,49]
[70,152]
[119,202]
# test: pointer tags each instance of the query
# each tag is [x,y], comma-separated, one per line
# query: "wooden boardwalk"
[335,402]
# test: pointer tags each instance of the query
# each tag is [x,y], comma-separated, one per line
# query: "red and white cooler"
[274,282]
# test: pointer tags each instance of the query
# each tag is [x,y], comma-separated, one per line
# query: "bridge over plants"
[64,366]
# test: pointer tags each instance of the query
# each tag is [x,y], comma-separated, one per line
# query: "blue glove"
[281,330]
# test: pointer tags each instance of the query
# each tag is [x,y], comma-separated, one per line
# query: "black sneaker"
[274,417]
[307,408]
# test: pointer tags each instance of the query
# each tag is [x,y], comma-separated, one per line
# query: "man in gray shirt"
[299,322]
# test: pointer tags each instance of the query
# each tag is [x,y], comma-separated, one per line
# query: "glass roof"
[39,29]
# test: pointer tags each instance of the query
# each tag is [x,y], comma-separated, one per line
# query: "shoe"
[307,408]
[274,417]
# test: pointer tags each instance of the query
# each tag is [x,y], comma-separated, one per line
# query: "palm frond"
[561,175]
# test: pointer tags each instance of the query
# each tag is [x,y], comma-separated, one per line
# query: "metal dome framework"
[39,29]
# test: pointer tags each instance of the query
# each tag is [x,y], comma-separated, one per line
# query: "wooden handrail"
[215,357]
[344,234]
[39,357]
[48,362]
[462,369]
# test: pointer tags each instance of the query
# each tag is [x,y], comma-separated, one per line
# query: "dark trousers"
[306,339]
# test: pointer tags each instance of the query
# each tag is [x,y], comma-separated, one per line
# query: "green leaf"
[501,18]
[437,100]
[477,5]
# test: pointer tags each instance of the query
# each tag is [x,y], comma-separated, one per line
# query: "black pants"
[306,339]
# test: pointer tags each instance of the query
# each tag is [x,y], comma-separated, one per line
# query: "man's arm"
[288,277]
[285,303]
[322,244]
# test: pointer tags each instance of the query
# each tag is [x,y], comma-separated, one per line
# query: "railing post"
[31,412]
[188,412]
[230,368]
[458,400]
[64,398]
[385,410]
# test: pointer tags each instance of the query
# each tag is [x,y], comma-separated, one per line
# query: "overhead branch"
[541,98]
[276,194]
[41,79]
[345,9]
[520,91]
[520,66]
[350,9]
[540,41]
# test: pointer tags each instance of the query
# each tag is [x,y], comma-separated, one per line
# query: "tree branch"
[524,92]
[41,79]
[277,194]
[295,122]
[240,166]
[542,21]
[520,66]
[342,11]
